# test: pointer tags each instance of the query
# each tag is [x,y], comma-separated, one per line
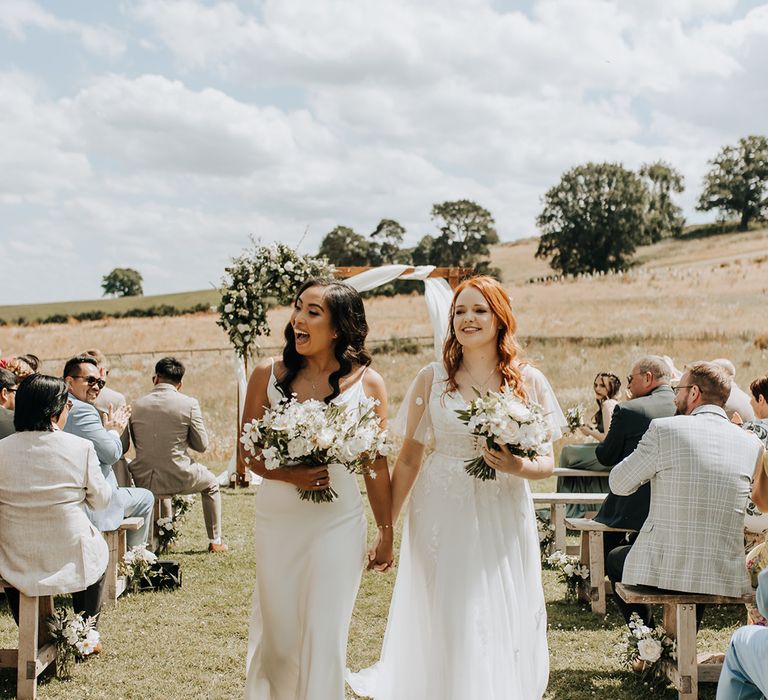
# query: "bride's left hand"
[381,554]
[502,460]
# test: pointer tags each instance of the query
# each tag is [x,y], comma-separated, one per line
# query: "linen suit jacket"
[85,422]
[48,545]
[700,468]
[164,425]
[629,422]
[6,422]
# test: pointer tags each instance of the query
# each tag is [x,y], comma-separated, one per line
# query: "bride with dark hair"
[310,556]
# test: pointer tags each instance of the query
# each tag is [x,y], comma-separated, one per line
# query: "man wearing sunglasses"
[9,382]
[84,381]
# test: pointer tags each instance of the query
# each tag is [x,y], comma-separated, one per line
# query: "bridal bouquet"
[574,418]
[75,638]
[502,418]
[649,646]
[313,433]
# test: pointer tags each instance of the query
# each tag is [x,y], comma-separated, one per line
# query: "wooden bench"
[566,471]
[592,555]
[557,503]
[680,623]
[35,651]
[114,586]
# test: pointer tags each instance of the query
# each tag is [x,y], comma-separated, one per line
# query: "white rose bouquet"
[574,417]
[650,646]
[313,433]
[136,566]
[503,418]
[75,638]
[570,571]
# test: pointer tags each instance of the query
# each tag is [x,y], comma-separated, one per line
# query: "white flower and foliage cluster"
[315,433]
[574,417]
[75,638]
[546,536]
[263,273]
[569,570]
[136,566]
[651,646]
[169,527]
[503,418]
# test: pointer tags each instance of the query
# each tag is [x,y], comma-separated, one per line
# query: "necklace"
[472,376]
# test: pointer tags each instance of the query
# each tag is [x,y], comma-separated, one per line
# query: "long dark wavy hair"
[348,319]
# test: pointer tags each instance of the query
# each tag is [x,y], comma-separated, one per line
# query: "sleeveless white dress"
[467,618]
[309,560]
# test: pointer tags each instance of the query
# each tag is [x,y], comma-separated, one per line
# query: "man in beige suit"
[164,425]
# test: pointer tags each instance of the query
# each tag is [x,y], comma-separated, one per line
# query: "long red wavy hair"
[508,347]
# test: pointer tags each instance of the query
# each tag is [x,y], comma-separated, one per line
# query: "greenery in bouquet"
[503,418]
[75,638]
[313,433]
[651,647]
[169,527]
[259,274]
[570,571]
[546,537]
[574,417]
[136,567]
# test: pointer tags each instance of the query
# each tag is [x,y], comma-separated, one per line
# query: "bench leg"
[557,517]
[686,652]
[26,667]
[110,584]
[597,573]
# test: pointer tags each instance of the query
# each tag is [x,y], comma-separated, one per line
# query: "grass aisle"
[191,643]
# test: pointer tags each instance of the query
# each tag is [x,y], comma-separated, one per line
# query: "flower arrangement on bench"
[646,650]
[75,638]
[570,571]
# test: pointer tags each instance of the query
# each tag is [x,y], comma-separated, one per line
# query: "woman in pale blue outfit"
[582,456]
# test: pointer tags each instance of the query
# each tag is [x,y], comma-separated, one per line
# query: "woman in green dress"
[582,456]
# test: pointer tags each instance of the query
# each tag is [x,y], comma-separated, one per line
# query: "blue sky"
[161,134]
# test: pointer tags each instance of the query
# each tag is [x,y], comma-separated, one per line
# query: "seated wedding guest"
[18,365]
[756,522]
[48,546]
[652,397]
[109,399]
[164,425]
[745,670]
[8,385]
[700,467]
[32,361]
[738,400]
[582,456]
[84,382]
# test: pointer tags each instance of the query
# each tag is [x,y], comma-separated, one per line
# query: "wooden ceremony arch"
[454,275]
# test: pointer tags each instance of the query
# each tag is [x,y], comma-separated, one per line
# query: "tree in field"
[422,252]
[466,231]
[738,181]
[593,219]
[663,218]
[386,241]
[122,282]
[344,246]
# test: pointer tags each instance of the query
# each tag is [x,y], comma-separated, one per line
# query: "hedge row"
[97,315]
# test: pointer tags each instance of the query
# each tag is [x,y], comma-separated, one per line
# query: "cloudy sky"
[160,134]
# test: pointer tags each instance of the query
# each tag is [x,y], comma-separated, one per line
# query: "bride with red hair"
[467,618]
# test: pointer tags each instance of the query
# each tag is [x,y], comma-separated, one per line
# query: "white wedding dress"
[467,619]
[309,560]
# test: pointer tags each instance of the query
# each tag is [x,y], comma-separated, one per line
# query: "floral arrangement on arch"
[75,638]
[264,272]
[648,649]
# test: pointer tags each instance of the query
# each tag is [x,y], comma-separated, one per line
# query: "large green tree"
[344,246]
[738,181]
[385,242]
[663,217]
[122,282]
[466,231]
[593,219]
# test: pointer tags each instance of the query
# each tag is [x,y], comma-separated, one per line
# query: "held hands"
[381,554]
[503,460]
[116,419]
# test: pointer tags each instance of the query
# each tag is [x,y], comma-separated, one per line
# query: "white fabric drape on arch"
[437,293]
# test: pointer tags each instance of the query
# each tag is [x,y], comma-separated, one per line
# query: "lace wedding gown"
[309,560]
[467,618]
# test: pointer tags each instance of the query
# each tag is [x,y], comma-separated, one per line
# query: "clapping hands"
[116,419]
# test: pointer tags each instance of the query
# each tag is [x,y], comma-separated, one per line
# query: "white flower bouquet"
[570,571]
[650,646]
[503,418]
[313,433]
[574,417]
[75,638]
[546,536]
[169,527]
[136,566]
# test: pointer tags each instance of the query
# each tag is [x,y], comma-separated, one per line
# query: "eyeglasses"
[91,381]
[14,390]
[683,386]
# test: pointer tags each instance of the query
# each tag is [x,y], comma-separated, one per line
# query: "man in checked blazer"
[164,425]
[700,467]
